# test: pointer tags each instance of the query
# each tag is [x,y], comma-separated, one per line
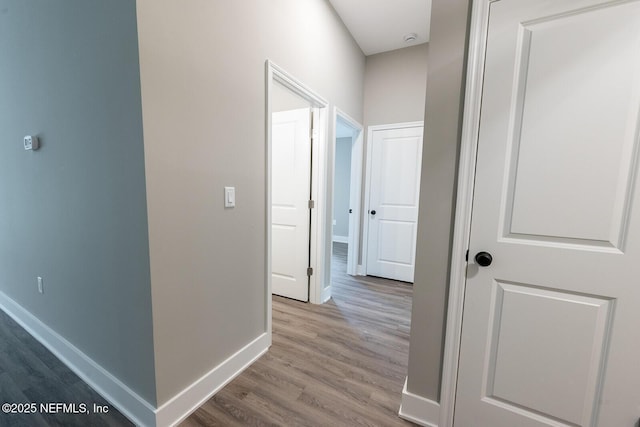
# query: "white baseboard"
[192,397]
[341,239]
[418,409]
[326,294]
[130,404]
[134,407]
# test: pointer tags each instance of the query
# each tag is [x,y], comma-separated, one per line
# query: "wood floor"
[29,373]
[338,364]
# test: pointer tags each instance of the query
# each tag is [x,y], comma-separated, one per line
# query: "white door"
[291,189]
[550,332]
[396,160]
[355,198]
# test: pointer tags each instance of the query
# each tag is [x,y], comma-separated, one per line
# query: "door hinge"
[312,204]
[309,271]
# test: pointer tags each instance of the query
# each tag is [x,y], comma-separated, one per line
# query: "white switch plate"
[229,197]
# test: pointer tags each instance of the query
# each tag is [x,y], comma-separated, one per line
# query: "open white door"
[355,198]
[394,192]
[550,332]
[290,217]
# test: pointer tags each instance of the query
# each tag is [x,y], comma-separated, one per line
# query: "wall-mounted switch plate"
[229,197]
[31,142]
[40,285]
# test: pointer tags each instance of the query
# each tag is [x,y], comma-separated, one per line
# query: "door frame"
[274,73]
[355,193]
[464,202]
[367,188]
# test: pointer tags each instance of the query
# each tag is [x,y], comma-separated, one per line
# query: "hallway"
[342,363]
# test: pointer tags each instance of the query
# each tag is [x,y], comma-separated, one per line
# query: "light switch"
[229,197]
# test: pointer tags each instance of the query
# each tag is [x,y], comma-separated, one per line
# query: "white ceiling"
[380,25]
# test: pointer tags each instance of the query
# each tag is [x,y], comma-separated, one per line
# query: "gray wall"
[203,91]
[443,118]
[342,187]
[74,212]
[394,86]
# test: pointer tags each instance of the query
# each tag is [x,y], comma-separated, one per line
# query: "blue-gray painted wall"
[74,212]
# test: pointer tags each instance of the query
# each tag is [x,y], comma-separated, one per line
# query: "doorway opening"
[347,193]
[296,125]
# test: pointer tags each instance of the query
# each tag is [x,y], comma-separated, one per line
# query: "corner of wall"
[418,409]
[192,397]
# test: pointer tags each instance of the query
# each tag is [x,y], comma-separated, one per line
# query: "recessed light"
[410,37]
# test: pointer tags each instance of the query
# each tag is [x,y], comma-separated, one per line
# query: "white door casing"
[393,197]
[355,185]
[549,334]
[357,154]
[291,177]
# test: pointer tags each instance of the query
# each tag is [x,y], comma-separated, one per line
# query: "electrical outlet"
[40,285]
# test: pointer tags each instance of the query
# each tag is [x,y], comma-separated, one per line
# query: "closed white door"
[396,160]
[550,331]
[291,178]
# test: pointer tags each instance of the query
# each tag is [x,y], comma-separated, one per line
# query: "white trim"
[267,192]
[367,185]
[128,402]
[320,216]
[340,239]
[355,196]
[357,160]
[419,410]
[283,77]
[462,222]
[360,270]
[318,184]
[191,398]
[331,174]
[326,294]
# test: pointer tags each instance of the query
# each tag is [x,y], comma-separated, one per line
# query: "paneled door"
[394,192]
[550,335]
[290,215]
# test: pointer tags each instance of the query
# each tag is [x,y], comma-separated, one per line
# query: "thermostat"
[31,142]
